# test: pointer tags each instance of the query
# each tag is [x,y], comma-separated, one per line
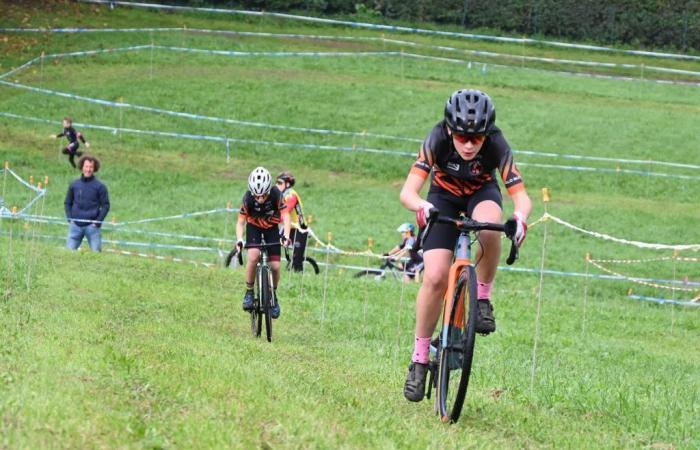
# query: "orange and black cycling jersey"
[454,175]
[263,215]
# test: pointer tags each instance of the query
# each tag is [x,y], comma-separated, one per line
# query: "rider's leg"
[429,299]
[489,251]
[275,265]
[488,255]
[253,258]
[248,298]
[428,303]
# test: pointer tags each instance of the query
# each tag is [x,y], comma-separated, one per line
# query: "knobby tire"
[266,300]
[451,395]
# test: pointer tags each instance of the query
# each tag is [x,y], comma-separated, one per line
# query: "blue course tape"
[228,140]
[663,301]
[598,276]
[363,38]
[392,28]
[201,116]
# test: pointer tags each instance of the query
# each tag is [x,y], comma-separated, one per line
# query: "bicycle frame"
[462,258]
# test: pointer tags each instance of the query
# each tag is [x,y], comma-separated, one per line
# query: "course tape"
[22,181]
[391,28]
[109,225]
[69,54]
[227,141]
[664,301]
[160,257]
[654,284]
[123,243]
[480,53]
[692,247]
[362,134]
[4,210]
[363,268]
[647,260]
[608,170]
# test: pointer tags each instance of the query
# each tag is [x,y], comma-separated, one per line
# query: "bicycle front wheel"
[266,300]
[456,347]
[255,313]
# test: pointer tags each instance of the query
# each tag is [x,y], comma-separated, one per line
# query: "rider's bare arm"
[522,203]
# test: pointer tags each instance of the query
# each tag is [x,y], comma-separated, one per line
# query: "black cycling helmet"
[287,177]
[470,111]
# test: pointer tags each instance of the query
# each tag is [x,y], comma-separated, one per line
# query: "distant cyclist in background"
[262,210]
[285,183]
[408,247]
[73,137]
[466,153]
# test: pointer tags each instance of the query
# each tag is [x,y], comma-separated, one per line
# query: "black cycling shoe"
[414,388]
[248,301]
[275,310]
[485,322]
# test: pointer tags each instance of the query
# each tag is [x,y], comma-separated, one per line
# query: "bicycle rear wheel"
[256,320]
[266,300]
[456,347]
[311,263]
[369,273]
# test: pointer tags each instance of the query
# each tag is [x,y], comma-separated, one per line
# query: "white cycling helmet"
[259,181]
[404,227]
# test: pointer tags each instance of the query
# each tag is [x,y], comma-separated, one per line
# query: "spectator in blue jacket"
[86,205]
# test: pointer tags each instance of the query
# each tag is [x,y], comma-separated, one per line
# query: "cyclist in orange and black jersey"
[299,234]
[466,154]
[262,210]
[452,175]
[265,215]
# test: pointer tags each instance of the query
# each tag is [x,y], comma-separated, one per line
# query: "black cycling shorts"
[254,235]
[444,235]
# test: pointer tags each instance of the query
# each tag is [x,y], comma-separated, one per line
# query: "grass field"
[104,350]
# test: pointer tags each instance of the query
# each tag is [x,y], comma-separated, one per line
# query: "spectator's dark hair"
[68,119]
[95,162]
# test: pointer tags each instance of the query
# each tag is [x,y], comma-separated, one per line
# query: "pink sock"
[483,290]
[421,351]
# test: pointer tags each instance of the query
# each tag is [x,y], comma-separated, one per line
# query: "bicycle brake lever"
[513,253]
[511,226]
[432,217]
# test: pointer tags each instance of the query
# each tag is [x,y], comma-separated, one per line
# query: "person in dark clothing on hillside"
[73,136]
[86,205]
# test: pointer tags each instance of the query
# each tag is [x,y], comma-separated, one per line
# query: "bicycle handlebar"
[237,252]
[466,225]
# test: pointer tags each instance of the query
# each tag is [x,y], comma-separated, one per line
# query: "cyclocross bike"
[264,297]
[453,350]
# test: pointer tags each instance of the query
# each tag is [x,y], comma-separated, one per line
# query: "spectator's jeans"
[76,234]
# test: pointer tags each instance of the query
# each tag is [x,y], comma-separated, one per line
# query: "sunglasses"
[475,139]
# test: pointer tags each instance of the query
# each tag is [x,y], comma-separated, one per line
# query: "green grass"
[115,351]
